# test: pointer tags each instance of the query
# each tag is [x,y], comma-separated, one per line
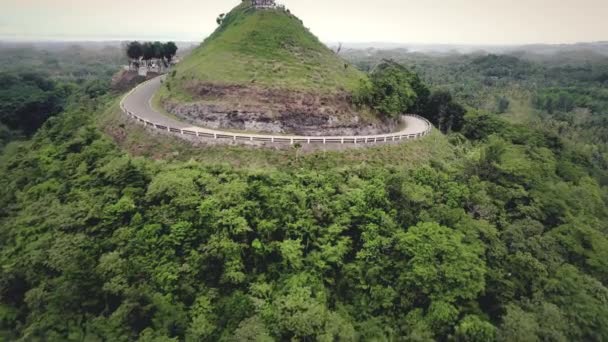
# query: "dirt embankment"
[276,111]
[127,79]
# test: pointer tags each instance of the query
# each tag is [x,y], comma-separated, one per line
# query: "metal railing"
[279,139]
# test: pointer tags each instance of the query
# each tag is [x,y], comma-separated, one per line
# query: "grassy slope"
[271,48]
[134,139]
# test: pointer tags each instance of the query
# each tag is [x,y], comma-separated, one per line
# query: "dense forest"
[505,240]
[37,81]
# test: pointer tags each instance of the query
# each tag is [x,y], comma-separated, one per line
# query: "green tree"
[135,52]
[443,112]
[502,104]
[391,91]
[148,52]
[169,51]
[518,325]
[473,329]
[27,100]
[439,265]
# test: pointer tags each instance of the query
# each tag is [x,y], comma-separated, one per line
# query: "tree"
[27,100]
[444,112]
[202,324]
[135,51]
[252,330]
[518,325]
[158,53]
[391,90]
[148,52]
[440,266]
[474,329]
[502,105]
[480,125]
[169,51]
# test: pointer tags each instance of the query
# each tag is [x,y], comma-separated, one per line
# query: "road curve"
[137,104]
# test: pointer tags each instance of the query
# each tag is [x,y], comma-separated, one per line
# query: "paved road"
[137,104]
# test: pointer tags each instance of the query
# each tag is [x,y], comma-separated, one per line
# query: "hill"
[269,47]
[263,70]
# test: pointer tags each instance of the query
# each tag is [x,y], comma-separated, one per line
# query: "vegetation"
[27,100]
[37,82]
[100,245]
[394,90]
[269,48]
[64,62]
[496,231]
[161,53]
[467,249]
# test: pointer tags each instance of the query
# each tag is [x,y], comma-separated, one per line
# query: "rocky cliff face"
[215,117]
[275,111]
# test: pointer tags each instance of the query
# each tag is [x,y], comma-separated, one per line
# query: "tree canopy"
[148,51]
[27,100]
[394,90]
[494,233]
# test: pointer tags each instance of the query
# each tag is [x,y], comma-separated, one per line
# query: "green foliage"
[169,51]
[269,48]
[499,234]
[554,102]
[394,90]
[63,61]
[474,329]
[480,125]
[135,50]
[137,249]
[443,112]
[440,266]
[502,105]
[27,100]
[162,52]
[7,135]
[391,90]
[501,66]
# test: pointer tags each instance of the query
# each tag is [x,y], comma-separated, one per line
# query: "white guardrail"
[215,134]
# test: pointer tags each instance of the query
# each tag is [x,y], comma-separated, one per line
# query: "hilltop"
[269,47]
[263,70]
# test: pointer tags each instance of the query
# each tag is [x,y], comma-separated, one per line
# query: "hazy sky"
[399,21]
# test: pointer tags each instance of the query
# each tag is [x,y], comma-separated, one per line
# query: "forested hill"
[495,233]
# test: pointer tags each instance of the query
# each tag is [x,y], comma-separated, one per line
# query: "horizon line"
[75,39]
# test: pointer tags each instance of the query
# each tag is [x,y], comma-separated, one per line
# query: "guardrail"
[243,137]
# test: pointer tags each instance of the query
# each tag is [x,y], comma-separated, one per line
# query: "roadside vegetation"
[393,90]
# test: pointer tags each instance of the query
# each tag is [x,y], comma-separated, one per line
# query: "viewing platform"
[264,3]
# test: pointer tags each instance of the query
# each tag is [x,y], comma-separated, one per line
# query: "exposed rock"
[275,111]
[128,79]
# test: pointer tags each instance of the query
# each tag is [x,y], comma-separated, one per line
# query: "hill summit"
[263,70]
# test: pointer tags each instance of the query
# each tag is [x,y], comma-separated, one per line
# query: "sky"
[472,22]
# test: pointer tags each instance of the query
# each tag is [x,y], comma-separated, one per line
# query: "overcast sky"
[399,21]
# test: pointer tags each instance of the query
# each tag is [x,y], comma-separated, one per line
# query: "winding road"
[137,104]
